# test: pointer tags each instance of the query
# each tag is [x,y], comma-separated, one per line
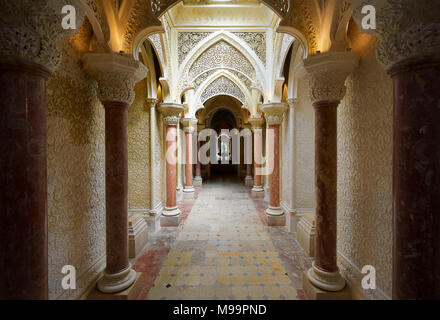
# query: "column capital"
[31,30]
[291,102]
[152,102]
[189,124]
[116,75]
[407,29]
[327,73]
[256,122]
[274,112]
[171,112]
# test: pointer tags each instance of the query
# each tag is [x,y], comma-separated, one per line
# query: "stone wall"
[75,171]
[365,171]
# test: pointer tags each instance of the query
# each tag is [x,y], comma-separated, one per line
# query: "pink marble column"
[116,76]
[327,73]
[410,54]
[23,200]
[274,117]
[189,128]
[257,125]
[171,116]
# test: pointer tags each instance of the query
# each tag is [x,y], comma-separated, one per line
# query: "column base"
[130,293]
[188,189]
[197,181]
[257,192]
[327,281]
[248,181]
[275,217]
[314,293]
[112,283]
[170,217]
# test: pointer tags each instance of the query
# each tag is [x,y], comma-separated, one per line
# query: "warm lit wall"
[305,149]
[365,170]
[139,195]
[75,171]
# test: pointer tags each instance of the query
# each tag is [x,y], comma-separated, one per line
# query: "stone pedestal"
[171,115]
[137,234]
[130,293]
[248,180]
[305,234]
[314,293]
[327,73]
[116,75]
[274,117]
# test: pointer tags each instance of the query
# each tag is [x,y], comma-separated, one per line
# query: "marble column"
[116,76]
[257,124]
[189,128]
[411,55]
[171,115]
[30,54]
[274,116]
[198,178]
[327,73]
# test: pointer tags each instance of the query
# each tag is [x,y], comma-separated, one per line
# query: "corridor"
[223,250]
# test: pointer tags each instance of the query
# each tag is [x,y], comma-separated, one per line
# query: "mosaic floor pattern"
[222,250]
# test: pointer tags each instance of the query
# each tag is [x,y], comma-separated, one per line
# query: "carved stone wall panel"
[75,174]
[257,42]
[222,55]
[186,41]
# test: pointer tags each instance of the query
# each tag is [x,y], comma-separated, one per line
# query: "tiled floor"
[222,250]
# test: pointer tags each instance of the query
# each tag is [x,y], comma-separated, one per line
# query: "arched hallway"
[223,250]
[116,114]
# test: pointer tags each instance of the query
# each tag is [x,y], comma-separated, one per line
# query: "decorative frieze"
[116,75]
[407,29]
[220,86]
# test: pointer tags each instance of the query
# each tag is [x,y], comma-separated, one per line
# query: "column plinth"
[326,73]
[248,180]
[274,117]
[116,76]
[171,116]
[411,55]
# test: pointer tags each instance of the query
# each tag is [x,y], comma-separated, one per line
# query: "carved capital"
[151,102]
[327,73]
[274,112]
[116,75]
[256,122]
[407,29]
[291,102]
[189,124]
[31,29]
[171,113]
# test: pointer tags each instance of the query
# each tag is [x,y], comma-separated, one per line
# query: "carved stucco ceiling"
[220,86]
[221,55]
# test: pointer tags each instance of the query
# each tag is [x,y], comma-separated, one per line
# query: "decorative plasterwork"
[408,29]
[220,86]
[158,7]
[273,112]
[222,55]
[171,113]
[189,124]
[157,45]
[186,41]
[116,75]
[300,18]
[31,29]
[242,77]
[256,122]
[256,41]
[327,73]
